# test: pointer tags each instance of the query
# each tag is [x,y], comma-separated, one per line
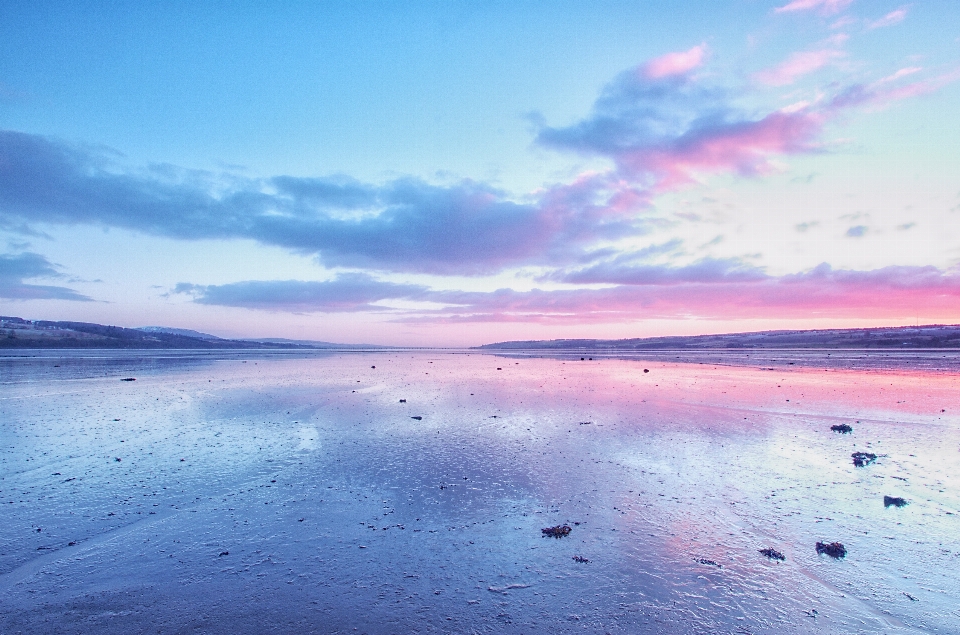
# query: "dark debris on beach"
[832,549]
[842,428]
[773,554]
[558,531]
[894,501]
[863,459]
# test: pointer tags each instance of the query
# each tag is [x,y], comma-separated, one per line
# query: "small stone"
[558,531]
[894,501]
[833,549]
[862,459]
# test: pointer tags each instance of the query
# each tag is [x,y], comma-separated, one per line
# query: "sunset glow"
[463,173]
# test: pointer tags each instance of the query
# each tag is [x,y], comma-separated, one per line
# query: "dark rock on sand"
[833,549]
[896,501]
[418,418]
[556,532]
[129,379]
[842,428]
[773,554]
[862,459]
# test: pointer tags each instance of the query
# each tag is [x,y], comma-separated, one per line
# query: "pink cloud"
[889,293]
[842,22]
[678,63]
[826,7]
[894,17]
[903,72]
[661,136]
[877,97]
[744,147]
[799,64]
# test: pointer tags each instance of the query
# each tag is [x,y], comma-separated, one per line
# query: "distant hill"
[898,337]
[281,340]
[19,333]
[185,332]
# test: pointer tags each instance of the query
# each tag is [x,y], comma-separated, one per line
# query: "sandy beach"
[399,492]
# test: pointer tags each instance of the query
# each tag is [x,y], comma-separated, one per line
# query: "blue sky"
[457,173]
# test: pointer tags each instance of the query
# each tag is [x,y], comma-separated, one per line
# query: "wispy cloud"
[825,7]
[15,269]
[349,292]
[673,64]
[894,17]
[798,64]
[622,271]
[880,95]
[903,72]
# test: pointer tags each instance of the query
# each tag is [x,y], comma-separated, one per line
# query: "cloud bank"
[15,269]
[347,293]
[709,289]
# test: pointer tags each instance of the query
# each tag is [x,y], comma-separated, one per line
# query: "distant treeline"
[915,337]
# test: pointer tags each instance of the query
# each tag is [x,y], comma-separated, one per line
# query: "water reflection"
[335,508]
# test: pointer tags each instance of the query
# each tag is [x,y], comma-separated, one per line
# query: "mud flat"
[251,493]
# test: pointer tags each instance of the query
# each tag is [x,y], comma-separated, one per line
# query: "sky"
[458,173]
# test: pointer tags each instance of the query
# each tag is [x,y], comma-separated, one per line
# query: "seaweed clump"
[832,549]
[556,532]
[773,554]
[842,428]
[895,501]
[862,459]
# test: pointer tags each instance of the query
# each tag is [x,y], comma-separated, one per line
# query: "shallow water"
[297,494]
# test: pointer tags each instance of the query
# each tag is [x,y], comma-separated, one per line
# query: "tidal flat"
[407,492]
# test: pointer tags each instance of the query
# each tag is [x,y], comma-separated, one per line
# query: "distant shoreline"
[928,337]
[17,333]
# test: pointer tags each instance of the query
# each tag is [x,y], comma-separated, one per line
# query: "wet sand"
[297,494]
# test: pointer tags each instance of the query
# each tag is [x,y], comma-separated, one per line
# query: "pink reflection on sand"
[619,385]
